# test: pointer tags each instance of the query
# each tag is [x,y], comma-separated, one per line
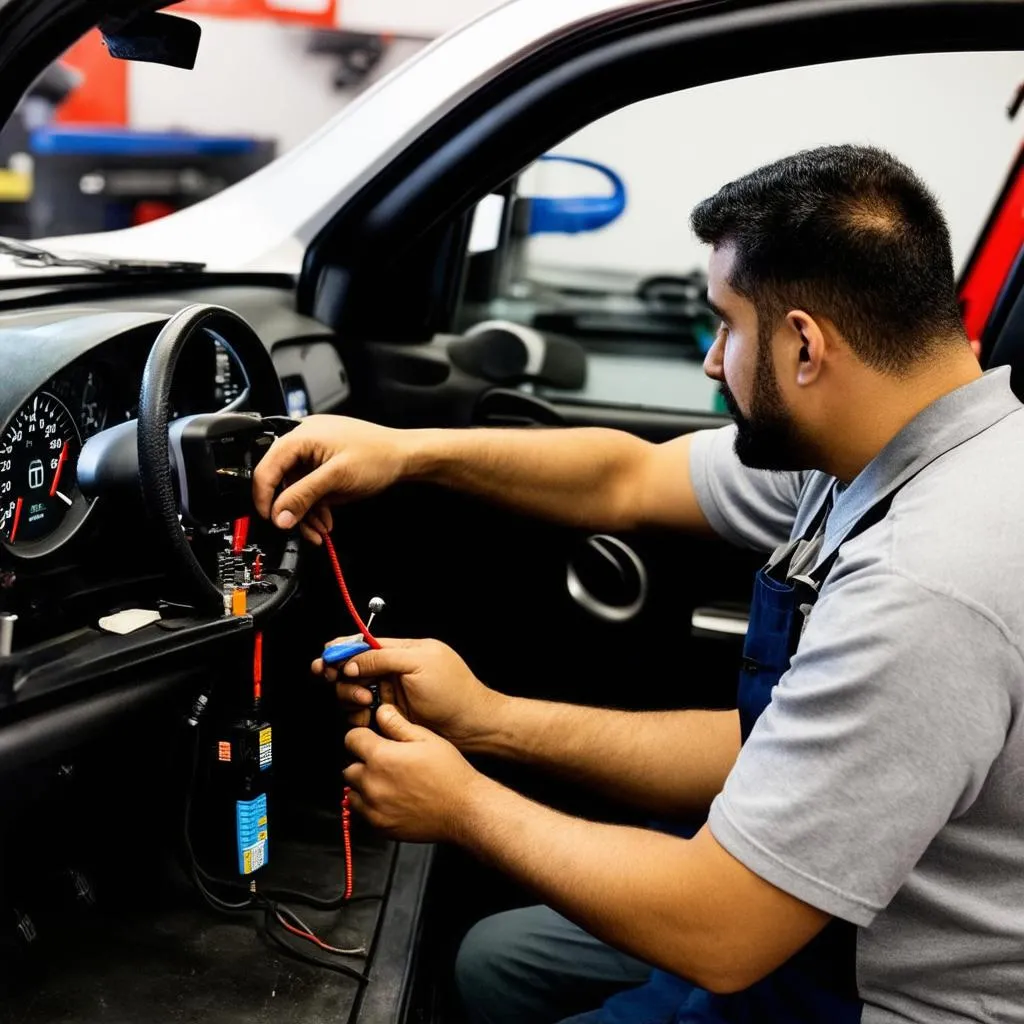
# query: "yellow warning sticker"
[265,735]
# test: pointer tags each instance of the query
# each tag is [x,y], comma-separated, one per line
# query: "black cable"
[320,902]
[281,912]
[302,954]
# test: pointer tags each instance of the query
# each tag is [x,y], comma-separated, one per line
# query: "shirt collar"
[936,430]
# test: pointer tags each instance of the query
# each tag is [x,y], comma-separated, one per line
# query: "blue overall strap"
[775,621]
[773,630]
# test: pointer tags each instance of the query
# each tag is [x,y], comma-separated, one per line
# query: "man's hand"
[426,680]
[408,782]
[326,460]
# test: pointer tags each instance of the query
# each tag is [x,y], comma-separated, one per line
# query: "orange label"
[223,751]
[309,12]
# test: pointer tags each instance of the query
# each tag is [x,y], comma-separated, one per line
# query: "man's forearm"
[667,762]
[581,476]
[683,905]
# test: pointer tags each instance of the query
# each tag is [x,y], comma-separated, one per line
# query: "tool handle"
[337,654]
[374,689]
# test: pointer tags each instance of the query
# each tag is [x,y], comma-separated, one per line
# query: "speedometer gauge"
[38,453]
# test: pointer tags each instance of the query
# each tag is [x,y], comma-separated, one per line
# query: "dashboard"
[40,504]
[72,371]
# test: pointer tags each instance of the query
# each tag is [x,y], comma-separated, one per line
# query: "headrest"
[1004,332]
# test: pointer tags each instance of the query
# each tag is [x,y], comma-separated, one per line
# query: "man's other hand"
[426,680]
[325,460]
[408,782]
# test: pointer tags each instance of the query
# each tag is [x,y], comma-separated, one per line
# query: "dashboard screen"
[296,396]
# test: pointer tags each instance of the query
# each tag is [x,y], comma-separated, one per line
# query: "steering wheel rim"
[155,476]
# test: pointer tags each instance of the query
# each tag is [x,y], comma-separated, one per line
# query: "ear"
[806,346]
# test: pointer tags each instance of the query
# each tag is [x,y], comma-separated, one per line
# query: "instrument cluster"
[41,506]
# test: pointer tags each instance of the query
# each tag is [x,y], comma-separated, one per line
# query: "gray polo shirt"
[884,784]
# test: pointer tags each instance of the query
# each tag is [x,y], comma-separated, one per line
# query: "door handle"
[719,622]
[607,579]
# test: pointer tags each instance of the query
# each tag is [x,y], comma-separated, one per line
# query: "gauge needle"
[17,519]
[60,466]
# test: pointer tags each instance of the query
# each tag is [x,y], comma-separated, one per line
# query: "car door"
[537,608]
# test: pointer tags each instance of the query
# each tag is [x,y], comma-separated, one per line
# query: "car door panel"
[496,585]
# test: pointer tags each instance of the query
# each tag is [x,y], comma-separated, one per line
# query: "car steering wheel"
[263,393]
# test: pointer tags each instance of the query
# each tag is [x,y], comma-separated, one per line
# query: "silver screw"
[376,606]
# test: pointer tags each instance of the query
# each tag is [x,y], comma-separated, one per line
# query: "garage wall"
[411,17]
[945,115]
[250,78]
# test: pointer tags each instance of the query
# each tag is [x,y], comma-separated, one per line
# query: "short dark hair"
[848,233]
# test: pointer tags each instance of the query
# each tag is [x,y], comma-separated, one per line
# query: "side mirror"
[574,214]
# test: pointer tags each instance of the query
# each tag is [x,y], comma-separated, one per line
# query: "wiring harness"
[281,923]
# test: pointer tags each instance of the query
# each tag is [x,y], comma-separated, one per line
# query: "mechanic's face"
[742,359]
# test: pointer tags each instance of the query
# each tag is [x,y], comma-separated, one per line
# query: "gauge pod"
[40,503]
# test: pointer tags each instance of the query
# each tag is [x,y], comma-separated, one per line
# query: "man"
[863,856]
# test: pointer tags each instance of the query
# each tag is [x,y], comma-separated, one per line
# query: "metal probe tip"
[376,606]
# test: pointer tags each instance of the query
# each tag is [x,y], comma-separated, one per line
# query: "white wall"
[411,17]
[251,78]
[945,115]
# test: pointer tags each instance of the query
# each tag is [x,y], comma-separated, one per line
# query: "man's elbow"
[721,981]
[721,967]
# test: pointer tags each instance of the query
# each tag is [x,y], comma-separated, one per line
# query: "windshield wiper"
[26,255]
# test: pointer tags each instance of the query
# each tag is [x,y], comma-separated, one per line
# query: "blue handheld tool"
[337,654]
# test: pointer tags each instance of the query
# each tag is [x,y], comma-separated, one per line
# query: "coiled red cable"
[346,836]
[346,808]
[340,576]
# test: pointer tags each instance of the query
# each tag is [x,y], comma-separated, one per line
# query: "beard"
[768,438]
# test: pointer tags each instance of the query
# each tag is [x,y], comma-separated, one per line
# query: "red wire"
[340,576]
[239,535]
[257,666]
[346,807]
[309,936]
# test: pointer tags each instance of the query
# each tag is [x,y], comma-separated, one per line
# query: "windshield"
[267,218]
[102,145]
[239,163]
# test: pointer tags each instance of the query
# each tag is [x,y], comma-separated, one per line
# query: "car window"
[98,144]
[593,241]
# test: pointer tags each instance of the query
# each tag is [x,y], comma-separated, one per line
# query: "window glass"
[593,242]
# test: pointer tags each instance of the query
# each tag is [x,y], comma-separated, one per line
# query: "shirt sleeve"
[885,727]
[750,507]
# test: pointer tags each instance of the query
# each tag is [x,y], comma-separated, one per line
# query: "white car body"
[266,221]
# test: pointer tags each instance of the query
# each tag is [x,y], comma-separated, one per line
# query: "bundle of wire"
[269,900]
[346,812]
